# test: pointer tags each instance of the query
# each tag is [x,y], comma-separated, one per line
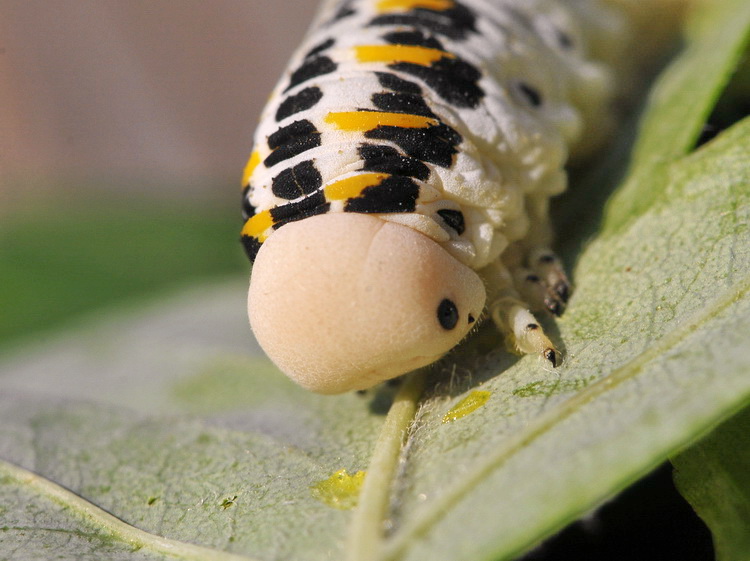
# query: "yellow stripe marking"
[353,186]
[252,163]
[353,121]
[424,56]
[406,5]
[257,225]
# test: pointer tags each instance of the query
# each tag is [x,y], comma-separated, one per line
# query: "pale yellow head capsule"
[343,301]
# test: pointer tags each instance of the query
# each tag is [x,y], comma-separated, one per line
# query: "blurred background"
[125,128]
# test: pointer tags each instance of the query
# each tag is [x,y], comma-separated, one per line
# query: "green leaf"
[714,475]
[70,253]
[169,421]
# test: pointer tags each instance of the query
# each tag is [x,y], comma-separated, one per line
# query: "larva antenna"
[343,301]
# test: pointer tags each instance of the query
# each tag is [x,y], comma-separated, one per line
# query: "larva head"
[343,301]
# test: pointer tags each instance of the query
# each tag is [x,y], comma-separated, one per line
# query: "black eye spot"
[531,94]
[447,314]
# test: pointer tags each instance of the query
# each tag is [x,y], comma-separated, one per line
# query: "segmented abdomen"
[452,117]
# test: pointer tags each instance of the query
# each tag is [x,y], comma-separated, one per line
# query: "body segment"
[446,123]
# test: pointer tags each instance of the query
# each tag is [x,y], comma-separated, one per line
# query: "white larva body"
[410,152]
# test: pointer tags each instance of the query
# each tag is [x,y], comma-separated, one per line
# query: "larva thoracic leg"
[548,267]
[401,177]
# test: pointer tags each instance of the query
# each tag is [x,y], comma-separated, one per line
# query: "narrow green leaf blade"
[714,475]
[715,41]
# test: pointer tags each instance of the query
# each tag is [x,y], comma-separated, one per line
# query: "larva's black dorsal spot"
[447,314]
[396,84]
[393,194]
[530,94]
[311,68]
[413,37]
[453,219]
[309,206]
[436,144]
[319,48]
[251,245]
[345,10]
[394,102]
[455,23]
[295,182]
[453,79]
[301,101]
[386,159]
[291,140]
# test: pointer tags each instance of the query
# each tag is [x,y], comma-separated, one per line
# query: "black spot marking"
[447,314]
[562,290]
[251,245]
[324,46]
[414,38]
[394,102]
[532,327]
[455,23]
[396,84]
[393,194]
[563,39]
[453,219]
[551,356]
[344,11]
[386,159]
[293,183]
[311,68]
[530,94]
[290,141]
[248,210]
[554,306]
[309,206]
[453,79]
[532,278]
[435,144]
[305,99]
[547,258]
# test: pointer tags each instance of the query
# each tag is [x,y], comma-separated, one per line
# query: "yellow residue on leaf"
[469,404]
[341,490]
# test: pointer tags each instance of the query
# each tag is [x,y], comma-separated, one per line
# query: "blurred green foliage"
[67,254]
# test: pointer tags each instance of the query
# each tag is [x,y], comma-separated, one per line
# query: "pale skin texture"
[343,301]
